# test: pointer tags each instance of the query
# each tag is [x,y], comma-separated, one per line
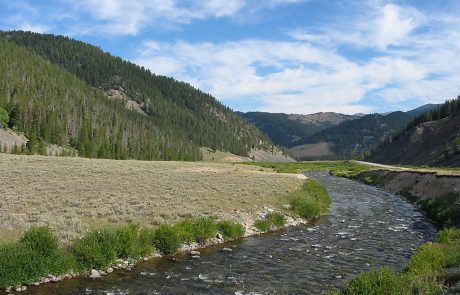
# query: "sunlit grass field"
[73,195]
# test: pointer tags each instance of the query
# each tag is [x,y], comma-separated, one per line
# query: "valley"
[117,180]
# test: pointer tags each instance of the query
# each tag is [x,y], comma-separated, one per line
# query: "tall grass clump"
[431,259]
[186,231]
[230,230]
[97,249]
[36,255]
[272,220]
[166,239]
[444,210]
[133,242]
[448,235]
[388,282]
[311,201]
[205,229]
[197,230]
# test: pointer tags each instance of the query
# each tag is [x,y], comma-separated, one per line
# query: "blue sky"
[293,56]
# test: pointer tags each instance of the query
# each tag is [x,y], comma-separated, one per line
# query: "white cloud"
[283,76]
[129,17]
[309,73]
[394,24]
[378,26]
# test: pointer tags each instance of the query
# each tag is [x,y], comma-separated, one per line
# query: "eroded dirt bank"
[421,185]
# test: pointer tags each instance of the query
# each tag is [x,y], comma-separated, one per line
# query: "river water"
[367,228]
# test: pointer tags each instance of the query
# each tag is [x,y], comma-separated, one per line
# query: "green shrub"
[368,180]
[388,282]
[230,230]
[128,241]
[146,240]
[277,219]
[311,201]
[376,282]
[273,219]
[205,228]
[431,258]
[448,235]
[19,264]
[427,260]
[36,255]
[97,249]
[444,210]
[40,240]
[262,224]
[304,206]
[186,230]
[4,118]
[166,239]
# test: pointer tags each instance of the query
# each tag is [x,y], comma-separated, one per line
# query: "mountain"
[288,129]
[432,138]
[354,137]
[423,109]
[61,91]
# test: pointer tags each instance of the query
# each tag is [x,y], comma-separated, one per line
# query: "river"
[367,228]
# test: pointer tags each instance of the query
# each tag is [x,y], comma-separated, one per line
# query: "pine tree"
[15,150]
[42,148]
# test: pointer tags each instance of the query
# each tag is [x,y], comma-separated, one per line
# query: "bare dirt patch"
[73,195]
[9,138]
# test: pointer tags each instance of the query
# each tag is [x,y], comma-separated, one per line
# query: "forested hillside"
[433,138]
[290,129]
[49,104]
[56,89]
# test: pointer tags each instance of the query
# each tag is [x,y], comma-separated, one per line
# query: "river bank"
[436,194]
[366,228]
[434,269]
[38,258]
[56,263]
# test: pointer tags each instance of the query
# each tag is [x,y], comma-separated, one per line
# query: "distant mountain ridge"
[332,135]
[288,129]
[351,138]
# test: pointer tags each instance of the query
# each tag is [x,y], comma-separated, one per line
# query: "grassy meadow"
[75,195]
[337,168]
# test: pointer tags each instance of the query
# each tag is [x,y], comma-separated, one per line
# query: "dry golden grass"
[73,195]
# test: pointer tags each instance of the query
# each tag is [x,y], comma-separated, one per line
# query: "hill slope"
[431,139]
[288,129]
[60,86]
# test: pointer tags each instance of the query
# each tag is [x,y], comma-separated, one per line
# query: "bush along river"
[367,229]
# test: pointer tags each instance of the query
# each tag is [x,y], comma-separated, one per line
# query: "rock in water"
[195,253]
[95,274]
